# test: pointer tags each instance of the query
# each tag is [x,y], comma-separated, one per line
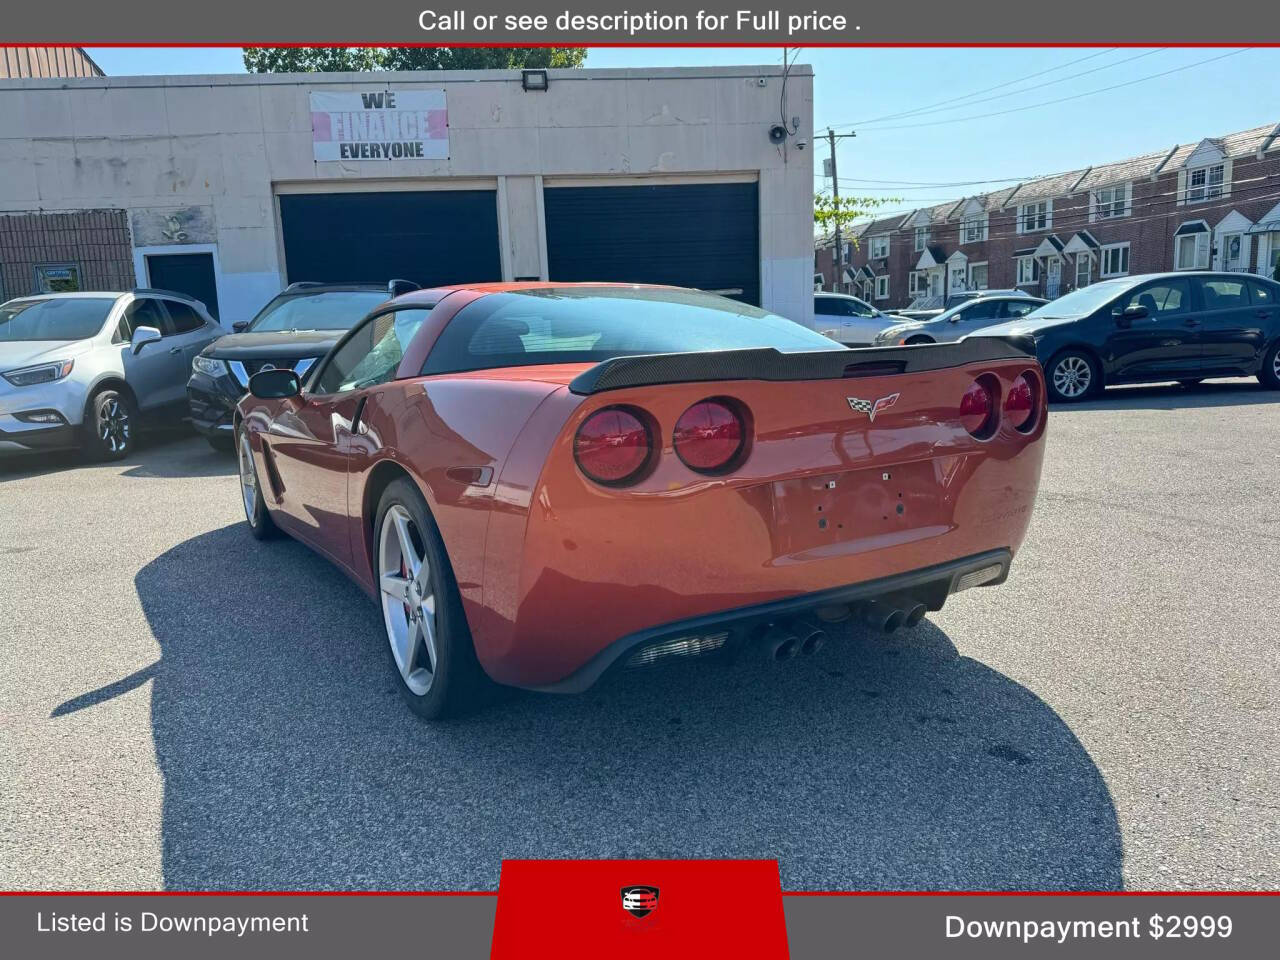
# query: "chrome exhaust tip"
[780,644]
[882,617]
[812,637]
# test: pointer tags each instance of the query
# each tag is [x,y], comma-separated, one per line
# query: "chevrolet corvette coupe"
[539,483]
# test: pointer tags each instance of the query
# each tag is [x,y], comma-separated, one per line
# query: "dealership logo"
[639,901]
[858,405]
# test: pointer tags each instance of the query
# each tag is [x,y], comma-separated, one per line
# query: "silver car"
[83,369]
[847,319]
[961,320]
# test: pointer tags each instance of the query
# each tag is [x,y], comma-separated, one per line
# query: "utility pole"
[835,194]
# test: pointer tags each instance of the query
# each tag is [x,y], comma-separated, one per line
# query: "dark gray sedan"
[961,320]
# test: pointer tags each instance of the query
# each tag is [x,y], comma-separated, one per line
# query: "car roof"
[72,295]
[304,286]
[433,295]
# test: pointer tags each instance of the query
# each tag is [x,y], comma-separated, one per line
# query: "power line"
[1047,103]
[926,183]
[1038,86]
[1008,83]
[1078,219]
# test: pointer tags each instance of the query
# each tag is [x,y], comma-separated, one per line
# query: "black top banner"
[617,22]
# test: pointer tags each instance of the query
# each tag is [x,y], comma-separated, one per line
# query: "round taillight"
[1020,403]
[612,446]
[977,408]
[709,436]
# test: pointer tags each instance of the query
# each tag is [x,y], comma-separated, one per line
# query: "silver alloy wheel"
[1275,364]
[408,599]
[1072,377]
[248,478]
[114,429]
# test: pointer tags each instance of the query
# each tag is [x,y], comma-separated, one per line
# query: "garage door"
[692,235]
[429,237]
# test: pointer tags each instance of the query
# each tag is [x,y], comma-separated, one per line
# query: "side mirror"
[240,326]
[142,336]
[1135,312]
[275,384]
[397,287]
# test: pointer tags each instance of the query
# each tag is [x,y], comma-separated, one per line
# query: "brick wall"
[96,241]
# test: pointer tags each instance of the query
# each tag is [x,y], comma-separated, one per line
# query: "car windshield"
[55,318]
[591,324]
[322,310]
[1080,302]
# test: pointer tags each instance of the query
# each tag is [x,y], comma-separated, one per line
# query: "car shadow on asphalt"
[169,452]
[1173,396]
[290,762]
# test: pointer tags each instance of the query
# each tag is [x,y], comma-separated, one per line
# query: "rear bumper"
[931,585]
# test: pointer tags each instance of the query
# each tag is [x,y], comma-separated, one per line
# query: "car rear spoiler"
[771,364]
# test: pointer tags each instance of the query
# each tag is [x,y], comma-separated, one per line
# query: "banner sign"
[380,125]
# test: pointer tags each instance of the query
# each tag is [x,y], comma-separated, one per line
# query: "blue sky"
[859,88]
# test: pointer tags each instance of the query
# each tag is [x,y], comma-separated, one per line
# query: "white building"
[233,186]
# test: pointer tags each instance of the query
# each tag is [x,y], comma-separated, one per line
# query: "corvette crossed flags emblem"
[858,405]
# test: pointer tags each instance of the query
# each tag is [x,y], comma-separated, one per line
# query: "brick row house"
[1208,205]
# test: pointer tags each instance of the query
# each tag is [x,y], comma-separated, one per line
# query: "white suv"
[82,369]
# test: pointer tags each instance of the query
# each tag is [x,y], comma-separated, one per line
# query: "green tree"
[830,212]
[353,59]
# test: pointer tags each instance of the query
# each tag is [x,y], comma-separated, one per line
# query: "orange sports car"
[541,482]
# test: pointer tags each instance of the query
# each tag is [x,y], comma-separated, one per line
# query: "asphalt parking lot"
[183,707]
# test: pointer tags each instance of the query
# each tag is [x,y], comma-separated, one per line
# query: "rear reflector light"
[679,647]
[709,436]
[1020,404]
[976,578]
[613,446]
[978,407]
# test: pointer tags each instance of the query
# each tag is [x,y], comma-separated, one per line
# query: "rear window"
[589,325]
[55,318]
[323,310]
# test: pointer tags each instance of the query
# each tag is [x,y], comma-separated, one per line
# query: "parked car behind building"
[87,369]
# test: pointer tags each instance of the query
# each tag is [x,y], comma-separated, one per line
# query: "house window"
[1205,183]
[882,287]
[1035,216]
[922,237]
[1028,270]
[916,283]
[1191,251]
[1084,270]
[1112,202]
[973,229]
[1115,260]
[879,247]
[977,276]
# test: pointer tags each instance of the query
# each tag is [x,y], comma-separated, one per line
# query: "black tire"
[257,516]
[1269,375]
[221,443]
[1077,361]
[918,339]
[458,683]
[110,425]
[1194,382]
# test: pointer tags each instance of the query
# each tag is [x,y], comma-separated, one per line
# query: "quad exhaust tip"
[892,613]
[781,643]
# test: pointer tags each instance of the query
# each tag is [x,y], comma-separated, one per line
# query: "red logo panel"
[571,908]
